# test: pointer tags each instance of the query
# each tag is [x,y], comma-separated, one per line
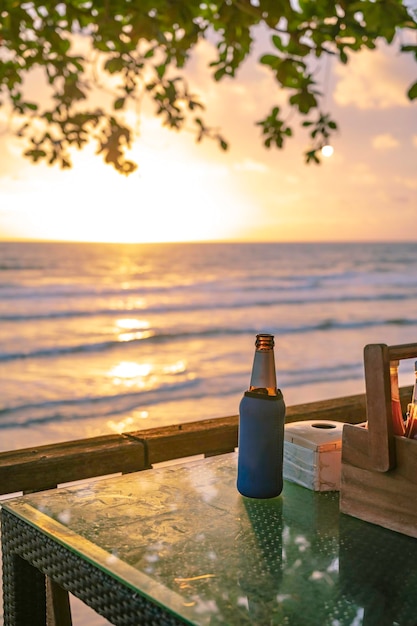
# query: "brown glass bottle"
[397,416]
[414,395]
[411,426]
[261,427]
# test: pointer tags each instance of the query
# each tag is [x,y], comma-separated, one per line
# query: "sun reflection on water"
[129,323]
[129,372]
[135,329]
[127,423]
[136,335]
[135,378]
[175,368]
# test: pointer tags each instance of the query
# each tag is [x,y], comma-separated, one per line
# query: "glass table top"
[183,536]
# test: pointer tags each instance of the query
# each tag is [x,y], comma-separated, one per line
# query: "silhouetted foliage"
[143,47]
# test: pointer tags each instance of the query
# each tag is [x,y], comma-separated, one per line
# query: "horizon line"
[209,241]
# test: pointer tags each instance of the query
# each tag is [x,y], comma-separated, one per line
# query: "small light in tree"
[327,151]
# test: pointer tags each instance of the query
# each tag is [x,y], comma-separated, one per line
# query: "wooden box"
[379,470]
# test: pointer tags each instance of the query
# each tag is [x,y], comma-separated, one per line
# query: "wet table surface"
[186,539]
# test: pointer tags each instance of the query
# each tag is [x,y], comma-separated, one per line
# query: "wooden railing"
[45,467]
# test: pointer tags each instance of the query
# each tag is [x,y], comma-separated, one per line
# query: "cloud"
[362,173]
[407,182]
[373,80]
[385,141]
[248,165]
[414,140]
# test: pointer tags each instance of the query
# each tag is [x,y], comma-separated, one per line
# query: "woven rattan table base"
[29,555]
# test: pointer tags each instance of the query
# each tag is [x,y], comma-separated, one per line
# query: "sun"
[175,195]
[327,150]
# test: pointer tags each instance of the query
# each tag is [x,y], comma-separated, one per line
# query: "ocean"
[100,338]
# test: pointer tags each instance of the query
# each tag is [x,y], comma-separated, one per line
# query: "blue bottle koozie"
[261,428]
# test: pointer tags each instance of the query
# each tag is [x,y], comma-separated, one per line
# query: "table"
[180,545]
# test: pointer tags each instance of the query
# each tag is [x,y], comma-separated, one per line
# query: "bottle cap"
[264,341]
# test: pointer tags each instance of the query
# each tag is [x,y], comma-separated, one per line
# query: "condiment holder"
[379,469]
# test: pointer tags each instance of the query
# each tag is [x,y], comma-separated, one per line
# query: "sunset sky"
[185,191]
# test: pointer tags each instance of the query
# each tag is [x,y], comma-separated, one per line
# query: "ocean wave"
[176,335]
[102,407]
[274,280]
[337,373]
[60,351]
[187,307]
[20,267]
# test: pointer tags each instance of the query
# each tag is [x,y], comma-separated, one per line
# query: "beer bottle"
[261,427]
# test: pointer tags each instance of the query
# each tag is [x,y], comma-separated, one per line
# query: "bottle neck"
[393,369]
[414,395]
[263,379]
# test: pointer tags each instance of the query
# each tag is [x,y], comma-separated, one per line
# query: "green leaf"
[218,75]
[113,65]
[289,73]
[343,57]
[296,48]
[270,59]
[64,45]
[35,154]
[160,70]
[277,41]
[311,155]
[410,49]
[412,92]
[304,101]
[119,103]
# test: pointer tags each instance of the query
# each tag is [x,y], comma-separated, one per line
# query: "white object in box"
[313,454]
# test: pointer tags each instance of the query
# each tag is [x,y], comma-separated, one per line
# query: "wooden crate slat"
[403,351]
[378,407]
[355,448]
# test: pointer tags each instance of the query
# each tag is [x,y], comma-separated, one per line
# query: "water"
[99,338]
